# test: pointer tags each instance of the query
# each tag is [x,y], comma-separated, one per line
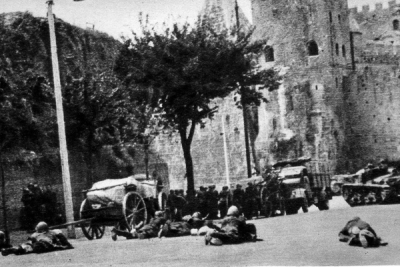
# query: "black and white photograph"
[199,133]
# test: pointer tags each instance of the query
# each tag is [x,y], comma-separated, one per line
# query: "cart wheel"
[162,201]
[267,208]
[134,209]
[90,230]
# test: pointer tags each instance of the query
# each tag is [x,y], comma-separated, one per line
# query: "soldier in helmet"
[152,229]
[189,225]
[43,240]
[212,198]
[223,201]
[171,204]
[202,201]
[233,230]
[250,203]
[359,233]
[238,197]
[3,241]
[180,204]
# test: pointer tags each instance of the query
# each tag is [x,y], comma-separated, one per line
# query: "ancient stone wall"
[305,117]
[372,100]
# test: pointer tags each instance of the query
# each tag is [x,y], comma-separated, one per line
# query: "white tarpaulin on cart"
[113,190]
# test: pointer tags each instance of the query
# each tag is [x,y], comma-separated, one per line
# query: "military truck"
[299,187]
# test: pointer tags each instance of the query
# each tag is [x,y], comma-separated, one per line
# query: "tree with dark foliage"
[188,67]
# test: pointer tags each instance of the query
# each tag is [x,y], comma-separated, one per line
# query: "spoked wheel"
[162,201]
[89,229]
[134,209]
[267,208]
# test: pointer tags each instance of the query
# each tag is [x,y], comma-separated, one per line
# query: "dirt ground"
[302,239]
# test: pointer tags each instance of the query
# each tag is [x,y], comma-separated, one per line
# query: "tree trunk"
[146,160]
[4,204]
[89,158]
[186,145]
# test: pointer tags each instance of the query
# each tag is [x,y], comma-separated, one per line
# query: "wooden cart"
[125,204]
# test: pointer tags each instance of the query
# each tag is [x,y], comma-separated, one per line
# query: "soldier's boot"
[13,250]
[114,234]
[215,241]
[164,229]
[382,242]
[207,237]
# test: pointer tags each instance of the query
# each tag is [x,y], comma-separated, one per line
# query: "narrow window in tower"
[396,25]
[339,18]
[344,50]
[269,54]
[330,17]
[312,48]
[337,49]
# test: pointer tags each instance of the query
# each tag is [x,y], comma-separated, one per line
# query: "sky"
[120,17]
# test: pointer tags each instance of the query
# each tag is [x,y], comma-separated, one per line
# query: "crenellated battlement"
[378,7]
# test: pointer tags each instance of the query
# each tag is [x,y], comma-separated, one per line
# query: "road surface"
[302,239]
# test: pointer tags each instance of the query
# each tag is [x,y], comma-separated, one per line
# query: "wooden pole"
[69,212]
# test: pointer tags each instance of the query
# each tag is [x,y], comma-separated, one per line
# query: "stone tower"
[223,12]
[294,28]
[310,40]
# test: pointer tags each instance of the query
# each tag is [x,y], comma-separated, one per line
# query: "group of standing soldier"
[39,205]
[213,204]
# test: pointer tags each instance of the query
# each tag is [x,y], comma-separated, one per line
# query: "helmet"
[354,230]
[158,213]
[196,215]
[194,231]
[233,211]
[215,241]
[42,227]
[186,218]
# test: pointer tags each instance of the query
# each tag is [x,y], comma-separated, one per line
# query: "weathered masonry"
[339,101]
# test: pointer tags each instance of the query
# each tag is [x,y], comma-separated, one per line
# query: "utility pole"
[242,100]
[69,212]
[228,182]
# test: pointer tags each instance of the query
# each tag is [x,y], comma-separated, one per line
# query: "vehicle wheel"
[134,209]
[162,201]
[90,230]
[267,209]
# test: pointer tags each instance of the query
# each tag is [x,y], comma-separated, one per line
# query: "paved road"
[303,239]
